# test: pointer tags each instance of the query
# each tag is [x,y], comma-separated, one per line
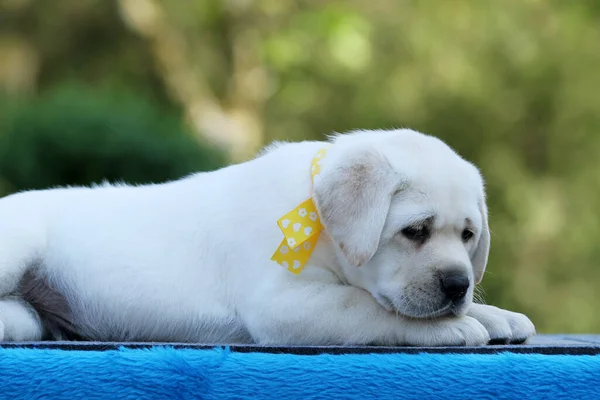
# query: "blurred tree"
[76,136]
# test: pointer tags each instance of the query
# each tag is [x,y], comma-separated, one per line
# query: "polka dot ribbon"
[301,228]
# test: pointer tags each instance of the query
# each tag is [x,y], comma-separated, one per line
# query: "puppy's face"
[408,219]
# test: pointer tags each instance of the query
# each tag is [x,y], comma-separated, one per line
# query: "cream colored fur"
[189,260]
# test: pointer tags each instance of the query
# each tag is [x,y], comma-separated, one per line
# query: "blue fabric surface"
[166,373]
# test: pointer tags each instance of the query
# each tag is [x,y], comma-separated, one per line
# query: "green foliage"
[76,136]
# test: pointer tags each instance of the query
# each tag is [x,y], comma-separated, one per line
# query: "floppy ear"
[480,256]
[353,195]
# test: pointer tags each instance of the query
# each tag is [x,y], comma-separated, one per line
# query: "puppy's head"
[407,218]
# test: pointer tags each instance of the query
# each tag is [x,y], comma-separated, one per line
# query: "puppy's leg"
[21,241]
[329,314]
[18,321]
[502,325]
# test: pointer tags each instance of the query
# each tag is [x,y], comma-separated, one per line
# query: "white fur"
[189,260]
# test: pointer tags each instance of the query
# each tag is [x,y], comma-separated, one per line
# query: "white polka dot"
[284,249]
[313,216]
[302,212]
[297,226]
[297,264]
[285,265]
[297,249]
[291,242]
[307,231]
[306,246]
[285,223]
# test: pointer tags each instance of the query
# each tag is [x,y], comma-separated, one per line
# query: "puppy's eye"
[467,235]
[416,233]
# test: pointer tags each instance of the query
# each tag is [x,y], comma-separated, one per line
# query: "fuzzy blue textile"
[167,373]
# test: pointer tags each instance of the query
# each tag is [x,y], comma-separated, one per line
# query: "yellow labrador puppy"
[401,238]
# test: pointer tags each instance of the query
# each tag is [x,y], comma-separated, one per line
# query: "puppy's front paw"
[455,331]
[503,326]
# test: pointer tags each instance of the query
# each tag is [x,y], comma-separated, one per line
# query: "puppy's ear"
[353,195]
[480,256]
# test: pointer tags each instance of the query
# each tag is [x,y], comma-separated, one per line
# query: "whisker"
[479,295]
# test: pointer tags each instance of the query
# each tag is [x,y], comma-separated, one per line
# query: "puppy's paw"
[455,331]
[18,322]
[503,326]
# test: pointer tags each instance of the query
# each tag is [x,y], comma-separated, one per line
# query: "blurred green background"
[151,90]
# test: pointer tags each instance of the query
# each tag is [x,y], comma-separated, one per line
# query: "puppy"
[404,240]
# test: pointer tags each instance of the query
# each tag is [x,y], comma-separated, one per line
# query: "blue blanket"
[167,373]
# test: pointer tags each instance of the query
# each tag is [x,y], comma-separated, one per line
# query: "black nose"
[455,285]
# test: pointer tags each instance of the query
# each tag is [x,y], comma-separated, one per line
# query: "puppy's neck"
[325,263]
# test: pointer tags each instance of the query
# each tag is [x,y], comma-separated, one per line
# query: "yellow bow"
[301,228]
